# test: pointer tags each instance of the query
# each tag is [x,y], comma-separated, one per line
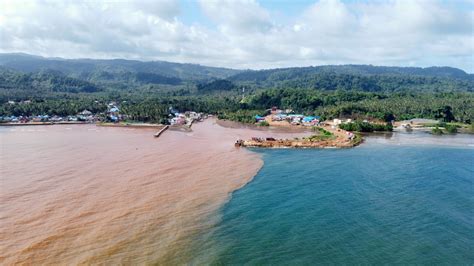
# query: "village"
[329,133]
[112,117]
[286,118]
[325,133]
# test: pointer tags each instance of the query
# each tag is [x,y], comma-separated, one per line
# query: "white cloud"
[244,34]
[238,16]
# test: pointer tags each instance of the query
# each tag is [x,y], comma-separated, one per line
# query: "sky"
[245,34]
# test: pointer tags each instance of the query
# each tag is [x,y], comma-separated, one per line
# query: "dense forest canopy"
[146,90]
[87,68]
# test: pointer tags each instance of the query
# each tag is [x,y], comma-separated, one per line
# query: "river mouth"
[82,194]
[85,194]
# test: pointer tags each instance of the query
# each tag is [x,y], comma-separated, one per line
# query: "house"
[279,117]
[193,115]
[56,118]
[113,114]
[295,119]
[178,120]
[7,119]
[113,118]
[114,109]
[336,122]
[275,110]
[41,118]
[311,120]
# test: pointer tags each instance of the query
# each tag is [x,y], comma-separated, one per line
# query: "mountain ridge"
[124,73]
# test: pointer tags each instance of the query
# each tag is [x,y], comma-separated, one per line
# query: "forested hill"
[122,74]
[95,70]
[147,89]
[449,72]
[360,77]
[42,82]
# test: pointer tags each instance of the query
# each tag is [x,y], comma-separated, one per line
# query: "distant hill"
[120,70]
[44,82]
[360,77]
[130,74]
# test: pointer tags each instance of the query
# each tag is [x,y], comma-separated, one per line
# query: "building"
[193,115]
[279,117]
[178,120]
[275,110]
[311,120]
[56,119]
[259,118]
[114,109]
[113,114]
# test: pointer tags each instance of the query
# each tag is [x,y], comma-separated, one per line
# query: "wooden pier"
[157,134]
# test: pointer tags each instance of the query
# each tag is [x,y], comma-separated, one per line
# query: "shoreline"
[10,124]
[305,144]
[131,125]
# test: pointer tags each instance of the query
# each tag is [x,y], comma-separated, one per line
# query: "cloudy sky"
[246,33]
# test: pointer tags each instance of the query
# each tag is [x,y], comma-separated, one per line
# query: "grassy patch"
[437,131]
[264,124]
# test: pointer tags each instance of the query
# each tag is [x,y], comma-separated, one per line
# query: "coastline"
[337,138]
[171,189]
[131,125]
[9,124]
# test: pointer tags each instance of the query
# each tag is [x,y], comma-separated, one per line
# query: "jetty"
[157,134]
[285,143]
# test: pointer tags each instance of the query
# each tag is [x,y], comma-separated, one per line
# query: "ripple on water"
[375,204]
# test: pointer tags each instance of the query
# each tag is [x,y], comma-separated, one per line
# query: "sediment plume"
[83,194]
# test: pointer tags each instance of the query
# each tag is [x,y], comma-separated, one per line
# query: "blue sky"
[245,33]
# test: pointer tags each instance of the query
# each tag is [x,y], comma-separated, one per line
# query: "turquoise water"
[373,204]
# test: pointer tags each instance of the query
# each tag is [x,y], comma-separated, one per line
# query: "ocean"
[385,202]
[83,194]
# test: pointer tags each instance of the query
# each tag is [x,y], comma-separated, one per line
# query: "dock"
[157,134]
